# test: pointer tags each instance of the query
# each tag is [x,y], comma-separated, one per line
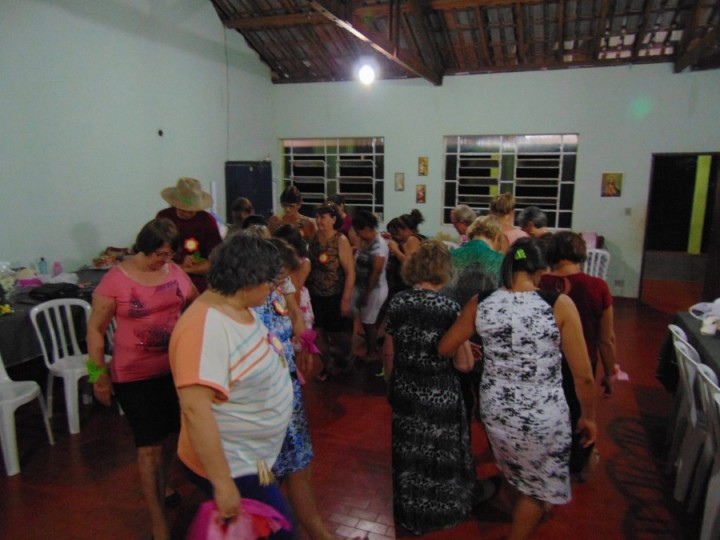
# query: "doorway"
[681,257]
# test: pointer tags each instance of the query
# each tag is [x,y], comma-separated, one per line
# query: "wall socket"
[619,282]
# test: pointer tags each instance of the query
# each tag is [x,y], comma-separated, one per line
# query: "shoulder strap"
[549,296]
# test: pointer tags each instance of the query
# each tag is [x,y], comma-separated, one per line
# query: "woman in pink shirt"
[145,294]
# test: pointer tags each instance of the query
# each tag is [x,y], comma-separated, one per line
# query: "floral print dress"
[297,452]
[432,463]
[522,403]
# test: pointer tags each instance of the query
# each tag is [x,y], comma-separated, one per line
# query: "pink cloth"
[145,315]
[514,234]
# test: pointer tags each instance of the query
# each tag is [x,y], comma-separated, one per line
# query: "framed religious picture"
[420,192]
[423,166]
[611,184]
[399,181]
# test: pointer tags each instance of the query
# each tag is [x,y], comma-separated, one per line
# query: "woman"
[371,288]
[145,294]
[433,469]
[482,247]
[241,208]
[291,202]
[405,238]
[331,282]
[461,217]
[234,385]
[281,314]
[299,276]
[503,208]
[347,221]
[522,405]
[566,252]
[198,230]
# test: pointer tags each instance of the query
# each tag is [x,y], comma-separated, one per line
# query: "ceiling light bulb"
[366,74]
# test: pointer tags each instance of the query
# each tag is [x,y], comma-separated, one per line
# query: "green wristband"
[94,371]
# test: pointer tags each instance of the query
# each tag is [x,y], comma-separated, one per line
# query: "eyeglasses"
[163,254]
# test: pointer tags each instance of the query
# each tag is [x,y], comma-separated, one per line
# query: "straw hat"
[187,195]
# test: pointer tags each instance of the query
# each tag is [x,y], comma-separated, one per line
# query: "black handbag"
[53,291]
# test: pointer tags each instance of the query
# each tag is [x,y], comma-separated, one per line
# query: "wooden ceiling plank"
[519,34]
[600,27]
[411,64]
[482,29]
[274,21]
[422,33]
[698,51]
[649,18]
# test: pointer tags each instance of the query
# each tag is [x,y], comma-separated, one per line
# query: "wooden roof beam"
[274,21]
[696,53]
[381,44]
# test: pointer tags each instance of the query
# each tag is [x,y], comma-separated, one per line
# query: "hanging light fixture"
[366,74]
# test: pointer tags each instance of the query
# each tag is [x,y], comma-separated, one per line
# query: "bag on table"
[53,291]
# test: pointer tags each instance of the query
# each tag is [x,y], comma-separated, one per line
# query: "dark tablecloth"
[708,347]
[18,342]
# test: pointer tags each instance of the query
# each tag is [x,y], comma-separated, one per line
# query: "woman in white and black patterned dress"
[432,463]
[522,402]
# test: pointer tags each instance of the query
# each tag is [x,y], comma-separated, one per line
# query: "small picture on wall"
[420,191]
[423,166]
[399,181]
[612,184]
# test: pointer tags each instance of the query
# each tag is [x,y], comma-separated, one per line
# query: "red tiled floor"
[86,487]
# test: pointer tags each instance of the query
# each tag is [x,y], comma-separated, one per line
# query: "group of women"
[223,367]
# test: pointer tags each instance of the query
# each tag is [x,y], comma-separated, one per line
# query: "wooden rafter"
[697,51]
[381,44]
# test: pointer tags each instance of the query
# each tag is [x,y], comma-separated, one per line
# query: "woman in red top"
[566,251]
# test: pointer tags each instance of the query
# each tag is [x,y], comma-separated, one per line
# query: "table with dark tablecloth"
[18,342]
[708,347]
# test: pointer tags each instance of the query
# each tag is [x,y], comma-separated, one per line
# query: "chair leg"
[711,515]
[46,419]
[8,442]
[49,393]
[687,460]
[71,404]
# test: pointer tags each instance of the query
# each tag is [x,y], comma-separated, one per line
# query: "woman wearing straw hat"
[198,230]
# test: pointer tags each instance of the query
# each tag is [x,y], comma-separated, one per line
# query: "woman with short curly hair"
[433,470]
[233,381]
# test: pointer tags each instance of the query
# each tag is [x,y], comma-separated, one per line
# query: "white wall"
[85,87]
[623,115]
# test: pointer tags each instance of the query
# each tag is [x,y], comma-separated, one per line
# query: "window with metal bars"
[353,167]
[539,170]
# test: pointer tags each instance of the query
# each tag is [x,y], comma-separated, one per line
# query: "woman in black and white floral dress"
[433,470]
[522,404]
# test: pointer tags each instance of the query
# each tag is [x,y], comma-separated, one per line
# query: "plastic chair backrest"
[54,324]
[688,361]
[677,333]
[4,377]
[709,391]
[597,263]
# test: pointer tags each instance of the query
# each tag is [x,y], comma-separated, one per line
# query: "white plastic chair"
[13,394]
[711,513]
[54,325]
[696,428]
[597,263]
[678,334]
[708,389]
